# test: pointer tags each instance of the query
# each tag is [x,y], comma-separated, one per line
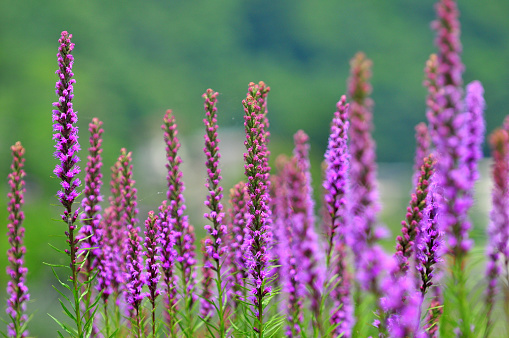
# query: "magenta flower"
[429,240]
[218,230]
[67,145]
[16,270]
[364,195]
[207,280]
[288,225]
[152,263]
[257,173]
[402,303]
[301,195]
[136,279]
[498,229]
[405,243]
[183,232]
[238,218]
[335,187]
[423,148]
[167,259]
[92,195]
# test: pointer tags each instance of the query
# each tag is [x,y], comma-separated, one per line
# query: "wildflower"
[16,288]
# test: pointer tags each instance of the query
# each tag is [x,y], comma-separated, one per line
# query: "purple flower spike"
[152,265]
[136,276]
[447,26]
[167,258]
[429,240]
[288,225]
[182,230]
[423,148]
[474,101]
[239,216]
[432,101]
[66,136]
[115,219]
[335,187]
[215,244]
[105,276]
[362,149]
[410,229]
[218,230]
[130,210]
[402,303]
[16,288]
[498,229]
[336,175]
[208,278]
[257,173]
[301,194]
[92,196]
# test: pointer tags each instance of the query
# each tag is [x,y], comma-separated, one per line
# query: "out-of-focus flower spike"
[498,228]
[423,148]
[17,291]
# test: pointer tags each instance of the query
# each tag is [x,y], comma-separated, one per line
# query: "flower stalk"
[16,287]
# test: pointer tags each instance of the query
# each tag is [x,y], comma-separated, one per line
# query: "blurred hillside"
[134,60]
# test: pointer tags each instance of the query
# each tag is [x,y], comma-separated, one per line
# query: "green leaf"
[69,314]
[63,326]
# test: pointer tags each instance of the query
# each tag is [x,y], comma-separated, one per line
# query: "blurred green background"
[134,60]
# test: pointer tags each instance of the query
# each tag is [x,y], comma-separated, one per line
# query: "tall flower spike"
[335,195]
[16,288]
[152,265]
[183,231]
[92,195]
[129,207]
[215,245]
[239,216]
[207,280]
[134,294]
[167,258]
[432,104]
[498,229]
[302,205]
[474,101]
[257,173]
[429,240]
[91,231]
[457,158]
[66,137]
[405,242]
[423,148]
[362,149]
[336,176]
[289,253]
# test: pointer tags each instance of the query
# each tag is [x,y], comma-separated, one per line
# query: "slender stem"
[461,293]
[106,319]
[74,272]
[222,326]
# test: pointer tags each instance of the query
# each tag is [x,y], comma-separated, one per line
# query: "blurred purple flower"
[498,228]
[16,270]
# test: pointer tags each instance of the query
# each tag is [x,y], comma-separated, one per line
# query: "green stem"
[222,326]
[187,328]
[106,320]
[461,294]
[74,273]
